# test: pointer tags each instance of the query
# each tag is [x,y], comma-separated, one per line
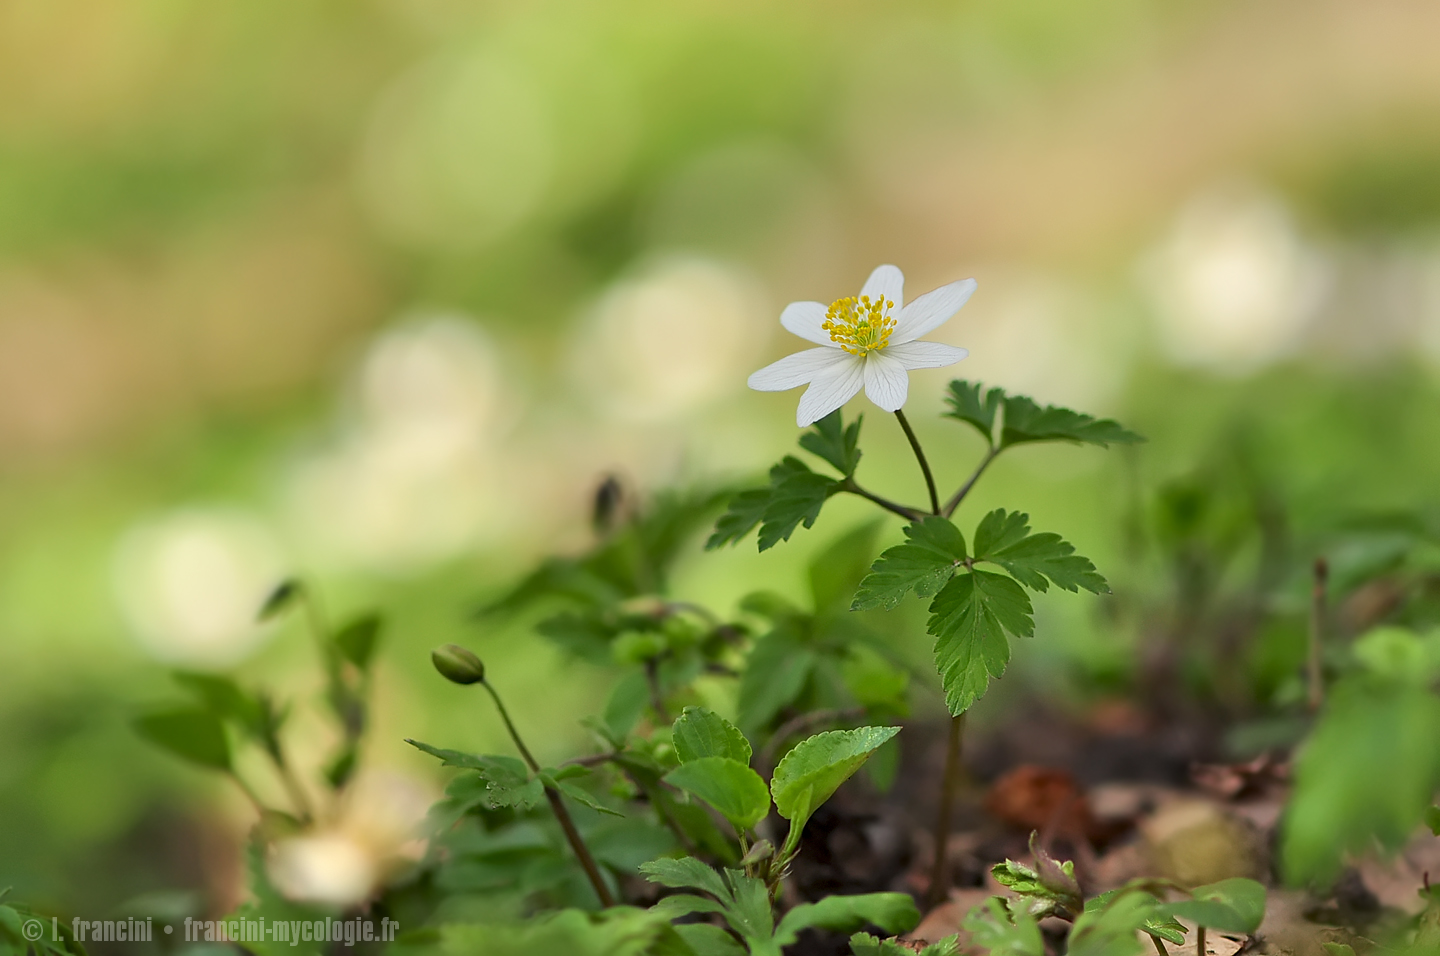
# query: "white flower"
[868,342]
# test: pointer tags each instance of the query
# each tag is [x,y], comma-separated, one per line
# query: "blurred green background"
[375,291]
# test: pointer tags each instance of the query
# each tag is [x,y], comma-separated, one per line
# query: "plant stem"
[249,793]
[920,457]
[913,514]
[1199,941]
[562,815]
[291,783]
[1159,946]
[1317,632]
[657,695]
[959,496]
[940,871]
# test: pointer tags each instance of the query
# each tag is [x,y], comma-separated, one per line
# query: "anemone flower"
[869,342]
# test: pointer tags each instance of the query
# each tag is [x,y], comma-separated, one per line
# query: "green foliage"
[775,673]
[814,769]
[935,548]
[1109,924]
[863,944]
[357,639]
[729,786]
[1367,775]
[970,619]
[1004,538]
[619,931]
[893,912]
[190,733]
[1047,889]
[14,917]
[1022,420]
[699,732]
[835,442]
[1231,906]
[999,931]
[498,781]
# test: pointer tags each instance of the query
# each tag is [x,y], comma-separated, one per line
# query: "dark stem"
[940,872]
[913,514]
[562,815]
[1315,673]
[657,695]
[959,496]
[920,457]
[1159,946]
[1199,941]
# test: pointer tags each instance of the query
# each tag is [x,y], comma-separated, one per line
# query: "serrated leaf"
[1034,560]
[797,494]
[686,904]
[935,547]
[357,639]
[699,732]
[967,406]
[996,930]
[727,785]
[507,780]
[751,915]
[1111,930]
[1025,421]
[863,944]
[190,733]
[970,619]
[686,872]
[893,912]
[581,795]
[1231,906]
[834,442]
[706,939]
[743,513]
[815,768]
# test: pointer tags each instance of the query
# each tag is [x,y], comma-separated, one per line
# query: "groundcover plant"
[679,832]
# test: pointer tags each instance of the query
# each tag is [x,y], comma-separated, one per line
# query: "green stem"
[557,805]
[904,511]
[950,785]
[1314,671]
[290,782]
[920,457]
[1159,946]
[959,496]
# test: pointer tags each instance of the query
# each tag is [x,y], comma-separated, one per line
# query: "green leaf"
[893,912]
[580,795]
[815,768]
[699,732]
[923,564]
[970,619]
[727,785]
[687,873]
[1367,775]
[775,673]
[1026,421]
[1110,930]
[834,443]
[1432,820]
[227,700]
[628,700]
[285,594]
[507,782]
[967,406]
[708,940]
[837,570]
[863,944]
[195,735]
[996,930]
[743,513]
[1231,906]
[357,639]
[686,904]
[751,915]
[796,497]
[1004,538]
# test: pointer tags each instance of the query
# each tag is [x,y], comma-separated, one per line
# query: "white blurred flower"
[671,339]
[414,480]
[345,864]
[1234,283]
[190,583]
[867,343]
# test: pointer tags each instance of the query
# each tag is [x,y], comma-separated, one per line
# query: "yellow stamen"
[859,326]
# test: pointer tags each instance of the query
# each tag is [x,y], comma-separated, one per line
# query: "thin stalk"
[657,694]
[920,457]
[1314,672]
[291,783]
[249,792]
[1159,946]
[562,815]
[1199,941]
[904,511]
[940,871]
[959,496]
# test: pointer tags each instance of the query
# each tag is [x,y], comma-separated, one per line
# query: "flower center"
[859,325]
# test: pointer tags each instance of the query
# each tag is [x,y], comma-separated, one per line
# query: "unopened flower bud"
[458,665]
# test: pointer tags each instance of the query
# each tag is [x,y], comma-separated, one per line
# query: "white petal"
[931,310]
[831,389]
[804,319]
[886,383]
[887,281]
[796,369]
[925,354]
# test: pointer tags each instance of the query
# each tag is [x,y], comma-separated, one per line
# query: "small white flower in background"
[867,342]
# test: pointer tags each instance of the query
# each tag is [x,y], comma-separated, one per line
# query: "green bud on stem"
[458,665]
